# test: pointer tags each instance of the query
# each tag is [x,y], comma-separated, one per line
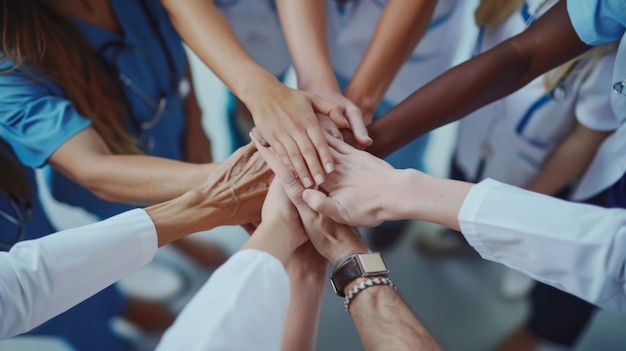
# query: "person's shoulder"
[598,21]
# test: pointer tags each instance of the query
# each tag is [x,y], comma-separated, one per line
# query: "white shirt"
[609,164]
[243,306]
[513,137]
[575,247]
[350,33]
[42,278]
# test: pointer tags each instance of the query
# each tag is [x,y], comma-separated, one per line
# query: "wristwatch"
[355,266]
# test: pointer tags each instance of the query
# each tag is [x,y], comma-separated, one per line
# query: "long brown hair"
[13,183]
[39,41]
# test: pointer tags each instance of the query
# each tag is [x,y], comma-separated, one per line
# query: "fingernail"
[329,168]
[319,179]
[307,182]
[305,195]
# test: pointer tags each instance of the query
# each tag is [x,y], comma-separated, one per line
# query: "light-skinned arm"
[285,117]
[401,26]
[521,229]
[44,277]
[365,191]
[549,42]
[568,161]
[304,25]
[307,278]
[248,296]
[240,181]
[382,319]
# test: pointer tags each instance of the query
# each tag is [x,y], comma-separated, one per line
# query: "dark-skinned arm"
[485,78]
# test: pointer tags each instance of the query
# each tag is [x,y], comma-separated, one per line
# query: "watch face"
[371,263]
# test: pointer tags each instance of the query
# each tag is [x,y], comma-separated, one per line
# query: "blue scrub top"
[139,55]
[598,21]
[85,326]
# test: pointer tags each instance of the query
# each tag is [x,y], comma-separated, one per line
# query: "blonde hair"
[494,12]
[40,41]
[13,182]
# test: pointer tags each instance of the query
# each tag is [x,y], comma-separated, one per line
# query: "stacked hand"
[331,239]
[288,123]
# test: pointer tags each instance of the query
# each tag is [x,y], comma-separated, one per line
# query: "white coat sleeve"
[42,278]
[242,306]
[575,247]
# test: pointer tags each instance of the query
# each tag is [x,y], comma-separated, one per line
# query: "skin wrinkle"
[241,184]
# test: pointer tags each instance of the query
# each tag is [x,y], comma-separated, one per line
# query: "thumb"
[357,124]
[333,111]
[324,205]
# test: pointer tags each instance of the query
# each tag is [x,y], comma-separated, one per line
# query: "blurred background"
[457,299]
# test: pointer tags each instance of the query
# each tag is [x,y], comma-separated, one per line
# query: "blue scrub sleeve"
[35,118]
[598,21]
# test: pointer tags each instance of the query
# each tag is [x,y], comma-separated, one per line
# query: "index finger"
[292,186]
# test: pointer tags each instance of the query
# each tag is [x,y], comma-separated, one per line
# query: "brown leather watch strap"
[348,272]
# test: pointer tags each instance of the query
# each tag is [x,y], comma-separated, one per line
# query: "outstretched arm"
[382,319]
[285,117]
[400,27]
[524,230]
[304,25]
[569,160]
[549,42]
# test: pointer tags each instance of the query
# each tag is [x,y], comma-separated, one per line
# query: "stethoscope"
[179,87]
[618,88]
[20,219]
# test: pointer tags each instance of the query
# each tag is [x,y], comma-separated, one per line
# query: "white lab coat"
[42,278]
[243,306]
[350,33]
[575,247]
[513,137]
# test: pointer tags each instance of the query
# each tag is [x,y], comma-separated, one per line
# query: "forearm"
[492,75]
[265,239]
[385,322]
[210,36]
[423,197]
[399,29]
[307,289]
[241,307]
[304,25]
[569,160]
[44,277]
[141,180]
[575,247]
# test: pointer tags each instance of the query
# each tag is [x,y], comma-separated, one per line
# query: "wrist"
[252,92]
[318,85]
[179,217]
[366,100]
[348,247]
[274,240]
[400,201]
[431,199]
